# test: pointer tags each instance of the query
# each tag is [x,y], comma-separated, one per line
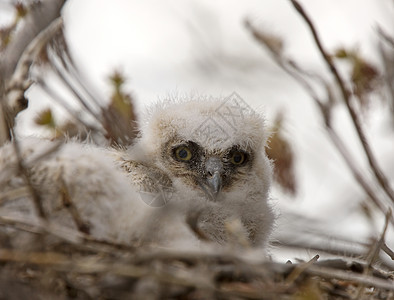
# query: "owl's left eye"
[183,153]
[238,158]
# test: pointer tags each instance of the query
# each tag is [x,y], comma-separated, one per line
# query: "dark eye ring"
[238,158]
[183,153]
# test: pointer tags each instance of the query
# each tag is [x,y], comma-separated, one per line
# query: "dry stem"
[346,95]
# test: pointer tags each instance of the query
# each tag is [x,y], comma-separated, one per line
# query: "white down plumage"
[198,171]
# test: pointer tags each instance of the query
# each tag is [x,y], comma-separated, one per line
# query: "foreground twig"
[375,249]
[35,194]
[63,233]
[13,81]
[70,206]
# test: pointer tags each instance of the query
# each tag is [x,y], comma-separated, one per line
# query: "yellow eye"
[238,158]
[183,153]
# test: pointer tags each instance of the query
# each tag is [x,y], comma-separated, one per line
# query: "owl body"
[202,161]
[76,175]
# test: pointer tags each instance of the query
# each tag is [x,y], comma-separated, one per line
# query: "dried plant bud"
[282,155]
[365,77]
[5,37]
[120,117]
[272,42]
[341,53]
[46,118]
[21,10]
[42,57]
[117,80]
[7,31]
[59,130]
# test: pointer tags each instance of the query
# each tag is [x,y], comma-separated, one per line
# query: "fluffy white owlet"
[202,161]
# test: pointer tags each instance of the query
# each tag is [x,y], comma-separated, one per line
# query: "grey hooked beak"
[213,183]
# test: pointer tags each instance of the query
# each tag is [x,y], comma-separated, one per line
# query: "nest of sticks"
[78,266]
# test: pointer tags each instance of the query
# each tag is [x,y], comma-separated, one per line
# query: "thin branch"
[63,103]
[4,128]
[292,277]
[40,16]
[374,252]
[379,244]
[20,77]
[346,94]
[71,87]
[356,173]
[70,206]
[350,276]
[291,68]
[14,194]
[389,39]
[36,197]
[67,234]
[388,251]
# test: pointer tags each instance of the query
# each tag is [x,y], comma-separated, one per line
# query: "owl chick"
[202,160]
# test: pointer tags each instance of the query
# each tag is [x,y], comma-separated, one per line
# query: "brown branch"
[66,234]
[38,18]
[40,15]
[379,244]
[35,195]
[346,95]
[350,276]
[4,128]
[70,206]
[388,251]
[19,81]
[63,103]
[292,277]
[14,194]
[374,252]
[356,173]
[387,38]
[61,74]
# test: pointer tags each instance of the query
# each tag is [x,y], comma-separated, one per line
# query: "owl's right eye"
[183,153]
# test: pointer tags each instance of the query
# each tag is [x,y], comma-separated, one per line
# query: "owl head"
[207,146]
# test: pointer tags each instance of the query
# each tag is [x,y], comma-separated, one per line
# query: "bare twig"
[356,173]
[63,263]
[296,72]
[14,194]
[69,235]
[62,102]
[345,275]
[33,191]
[379,244]
[388,251]
[299,270]
[387,55]
[4,128]
[346,95]
[59,72]
[389,39]
[68,203]
[39,17]
[374,252]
